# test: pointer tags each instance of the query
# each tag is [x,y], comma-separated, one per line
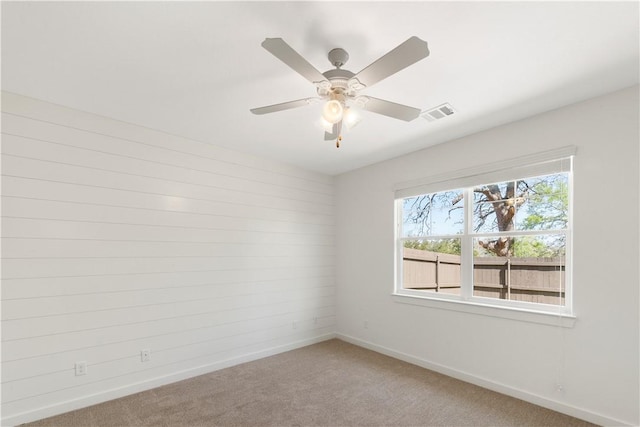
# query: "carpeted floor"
[332,383]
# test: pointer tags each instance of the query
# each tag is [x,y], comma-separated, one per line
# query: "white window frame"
[554,161]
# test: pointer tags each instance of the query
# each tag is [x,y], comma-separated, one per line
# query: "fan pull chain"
[338,141]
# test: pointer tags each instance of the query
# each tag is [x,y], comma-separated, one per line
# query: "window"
[500,236]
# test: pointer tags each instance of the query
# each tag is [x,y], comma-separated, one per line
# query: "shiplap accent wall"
[118,238]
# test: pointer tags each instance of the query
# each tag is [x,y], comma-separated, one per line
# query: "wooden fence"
[539,280]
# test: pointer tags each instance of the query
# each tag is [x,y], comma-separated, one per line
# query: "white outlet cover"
[81,368]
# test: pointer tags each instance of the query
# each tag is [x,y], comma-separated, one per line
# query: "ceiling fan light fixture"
[332,111]
[325,125]
[351,118]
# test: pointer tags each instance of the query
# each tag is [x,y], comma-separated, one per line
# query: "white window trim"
[491,310]
[531,165]
[534,164]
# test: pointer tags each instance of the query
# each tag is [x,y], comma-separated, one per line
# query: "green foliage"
[548,204]
[532,247]
[547,208]
[443,246]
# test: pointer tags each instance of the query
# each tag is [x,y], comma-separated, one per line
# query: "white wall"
[117,238]
[596,360]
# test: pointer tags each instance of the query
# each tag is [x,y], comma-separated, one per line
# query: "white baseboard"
[488,384]
[70,405]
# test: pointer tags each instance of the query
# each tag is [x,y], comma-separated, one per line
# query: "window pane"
[432,265]
[538,203]
[433,214]
[533,271]
[493,210]
[547,203]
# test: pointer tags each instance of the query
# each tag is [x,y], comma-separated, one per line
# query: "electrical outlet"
[295,324]
[81,368]
[366,324]
[145,355]
[315,320]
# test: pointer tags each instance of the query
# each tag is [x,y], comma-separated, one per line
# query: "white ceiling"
[196,68]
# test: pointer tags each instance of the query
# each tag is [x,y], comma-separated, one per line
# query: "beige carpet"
[332,383]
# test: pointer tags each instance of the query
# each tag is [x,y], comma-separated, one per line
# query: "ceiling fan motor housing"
[339,80]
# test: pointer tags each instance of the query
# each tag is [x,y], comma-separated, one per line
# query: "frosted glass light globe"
[350,118]
[332,111]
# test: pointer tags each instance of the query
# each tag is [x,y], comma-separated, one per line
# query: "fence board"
[539,280]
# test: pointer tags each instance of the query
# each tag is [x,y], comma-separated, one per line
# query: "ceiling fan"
[340,88]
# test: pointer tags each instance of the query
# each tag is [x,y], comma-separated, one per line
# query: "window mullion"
[466,273]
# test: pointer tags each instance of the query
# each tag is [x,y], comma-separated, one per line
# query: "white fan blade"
[391,109]
[284,106]
[281,50]
[407,53]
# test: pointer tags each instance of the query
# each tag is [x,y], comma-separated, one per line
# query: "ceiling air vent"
[439,112]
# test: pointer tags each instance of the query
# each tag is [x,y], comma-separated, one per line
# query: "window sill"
[511,313]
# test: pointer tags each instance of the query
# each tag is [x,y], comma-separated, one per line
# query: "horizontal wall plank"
[92,127]
[21,167]
[39,346]
[34,228]
[44,287]
[215,296]
[32,268]
[75,156]
[227,219]
[103,196]
[19,247]
[133,315]
[57,362]
[179,152]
